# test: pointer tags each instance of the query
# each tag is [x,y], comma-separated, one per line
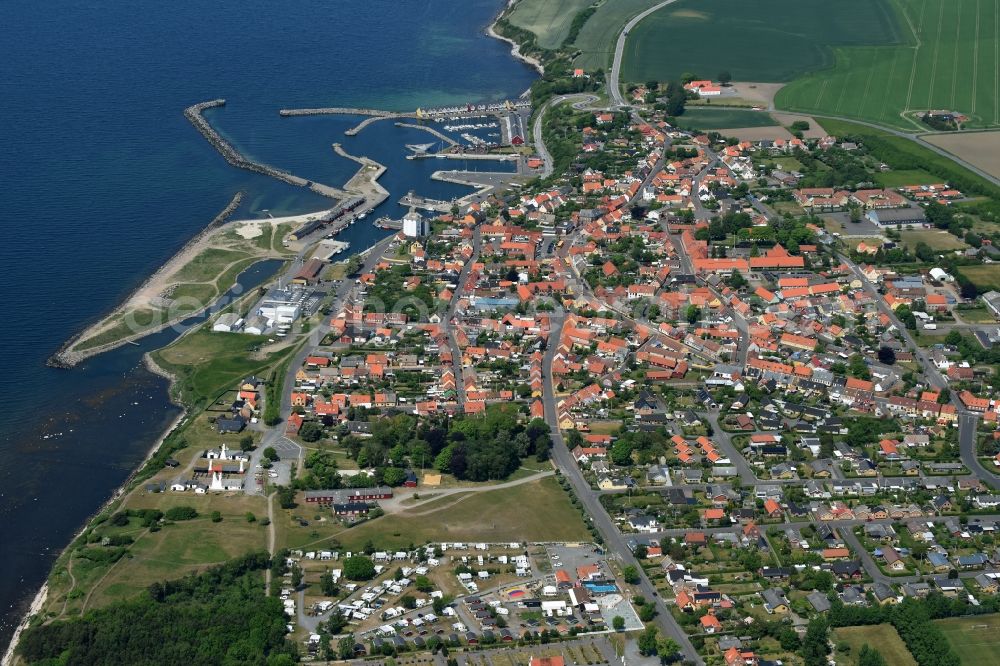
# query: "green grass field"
[712,119]
[770,41]
[597,39]
[976,640]
[950,59]
[906,177]
[496,515]
[548,19]
[937,240]
[882,637]
[985,277]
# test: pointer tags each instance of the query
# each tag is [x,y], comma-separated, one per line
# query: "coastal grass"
[207,363]
[124,326]
[881,637]
[976,640]
[206,266]
[937,240]
[182,547]
[549,20]
[700,118]
[986,277]
[495,515]
[772,41]
[944,58]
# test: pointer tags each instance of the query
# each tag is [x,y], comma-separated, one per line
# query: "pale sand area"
[981,149]
[757,133]
[815,130]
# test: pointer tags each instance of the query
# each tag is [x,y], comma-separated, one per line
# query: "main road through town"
[591,501]
[614,75]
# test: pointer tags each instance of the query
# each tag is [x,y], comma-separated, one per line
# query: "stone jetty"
[194,114]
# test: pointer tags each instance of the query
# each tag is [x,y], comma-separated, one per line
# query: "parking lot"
[280,472]
[571,557]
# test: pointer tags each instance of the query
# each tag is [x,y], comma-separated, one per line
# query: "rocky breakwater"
[194,114]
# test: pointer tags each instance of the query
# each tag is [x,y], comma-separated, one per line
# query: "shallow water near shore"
[104,179]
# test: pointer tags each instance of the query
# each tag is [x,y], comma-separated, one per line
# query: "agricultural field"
[773,41]
[905,154]
[549,19]
[713,119]
[882,637]
[976,640]
[937,240]
[980,149]
[597,38]
[986,277]
[947,57]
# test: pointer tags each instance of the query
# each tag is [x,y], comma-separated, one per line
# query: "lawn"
[714,119]
[905,177]
[985,277]
[946,59]
[493,516]
[549,19]
[882,637]
[769,41]
[976,640]
[937,240]
[208,363]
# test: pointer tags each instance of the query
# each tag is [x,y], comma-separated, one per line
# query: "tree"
[725,78]
[953,338]
[393,476]
[640,552]
[886,355]
[800,126]
[630,574]
[359,567]
[667,648]
[692,314]
[311,431]
[216,517]
[423,584]
[870,657]
[646,642]
[250,517]
[271,454]
[246,443]
[328,585]
[176,513]
[409,601]
[345,648]
[296,576]
[618,623]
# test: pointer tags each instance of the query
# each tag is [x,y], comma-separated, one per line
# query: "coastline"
[42,595]
[67,357]
[515,48]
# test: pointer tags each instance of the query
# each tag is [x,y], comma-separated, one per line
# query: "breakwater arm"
[194,114]
[444,137]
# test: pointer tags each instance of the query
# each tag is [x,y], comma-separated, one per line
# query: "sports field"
[713,119]
[776,40]
[949,59]
[548,19]
[976,640]
[882,637]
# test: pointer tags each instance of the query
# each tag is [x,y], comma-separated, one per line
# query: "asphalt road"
[613,540]
[614,74]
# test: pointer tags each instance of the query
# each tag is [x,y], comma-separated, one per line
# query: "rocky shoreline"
[515,48]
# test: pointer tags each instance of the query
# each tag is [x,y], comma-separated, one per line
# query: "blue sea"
[102,180]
